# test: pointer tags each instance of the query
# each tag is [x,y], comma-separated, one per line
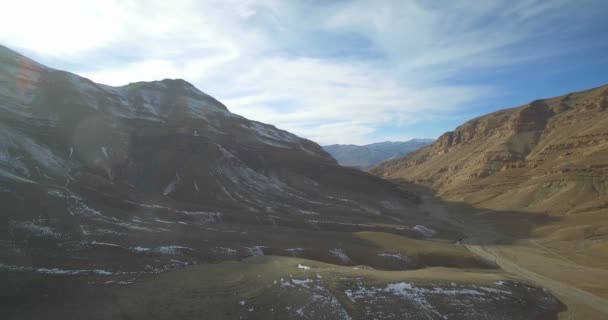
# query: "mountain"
[550,155]
[154,201]
[534,156]
[143,157]
[367,156]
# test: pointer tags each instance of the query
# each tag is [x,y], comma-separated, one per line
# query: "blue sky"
[331,71]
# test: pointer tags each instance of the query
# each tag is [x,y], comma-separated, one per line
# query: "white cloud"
[336,73]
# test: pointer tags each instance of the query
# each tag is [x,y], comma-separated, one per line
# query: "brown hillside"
[548,155]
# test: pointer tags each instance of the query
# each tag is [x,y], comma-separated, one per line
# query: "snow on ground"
[295,251]
[141,249]
[341,255]
[36,228]
[172,185]
[171,250]
[427,232]
[421,300]
[301,266]
[319,302]
[104,150]
[223,251]
[256,251]
[396,256]
[162,221]
[104,244]
[204,217]
[306,212]
[55,271]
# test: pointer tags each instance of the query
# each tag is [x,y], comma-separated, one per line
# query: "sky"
[353,72]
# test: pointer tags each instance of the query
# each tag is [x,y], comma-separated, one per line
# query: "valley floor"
[380,275]
[582,288]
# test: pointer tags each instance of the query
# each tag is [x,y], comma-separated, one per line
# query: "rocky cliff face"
[548,155]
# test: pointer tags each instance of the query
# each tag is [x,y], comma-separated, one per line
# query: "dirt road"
[554,274]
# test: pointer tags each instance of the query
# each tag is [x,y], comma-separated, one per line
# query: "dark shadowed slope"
[157,156]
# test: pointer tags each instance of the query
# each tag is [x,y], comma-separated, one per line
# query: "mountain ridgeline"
[367,156]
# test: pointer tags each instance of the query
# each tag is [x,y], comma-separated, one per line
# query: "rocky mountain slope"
[550,155]
[110,195]
[157,157]
[366,156]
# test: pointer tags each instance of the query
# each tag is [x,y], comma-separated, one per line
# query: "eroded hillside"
[549,155]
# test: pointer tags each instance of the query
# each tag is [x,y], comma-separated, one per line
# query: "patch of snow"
[138,228]
[341,255]
[421,296]
[171,250]
[140,249]
[295,251]
[256,251]
[172,185]
[163,221]
[225,251]
[371,210]
[321,304]
[105,152]
[304,283]
[396,256]
[427,232]
[300,266]
[105,244]
[204,217]
[55,271]
[392,205]
[126,282]
[306,212]
[15,177]
[36,228]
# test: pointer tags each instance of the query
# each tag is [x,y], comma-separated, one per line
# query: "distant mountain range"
[367,156]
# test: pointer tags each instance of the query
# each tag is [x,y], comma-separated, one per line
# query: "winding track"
[567,293]
[581,304]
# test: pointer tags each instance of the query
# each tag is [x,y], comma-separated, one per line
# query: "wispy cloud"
[334,72]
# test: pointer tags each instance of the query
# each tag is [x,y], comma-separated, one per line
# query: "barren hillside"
[548,155]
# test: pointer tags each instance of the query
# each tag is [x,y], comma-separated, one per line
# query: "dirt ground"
[581,287]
